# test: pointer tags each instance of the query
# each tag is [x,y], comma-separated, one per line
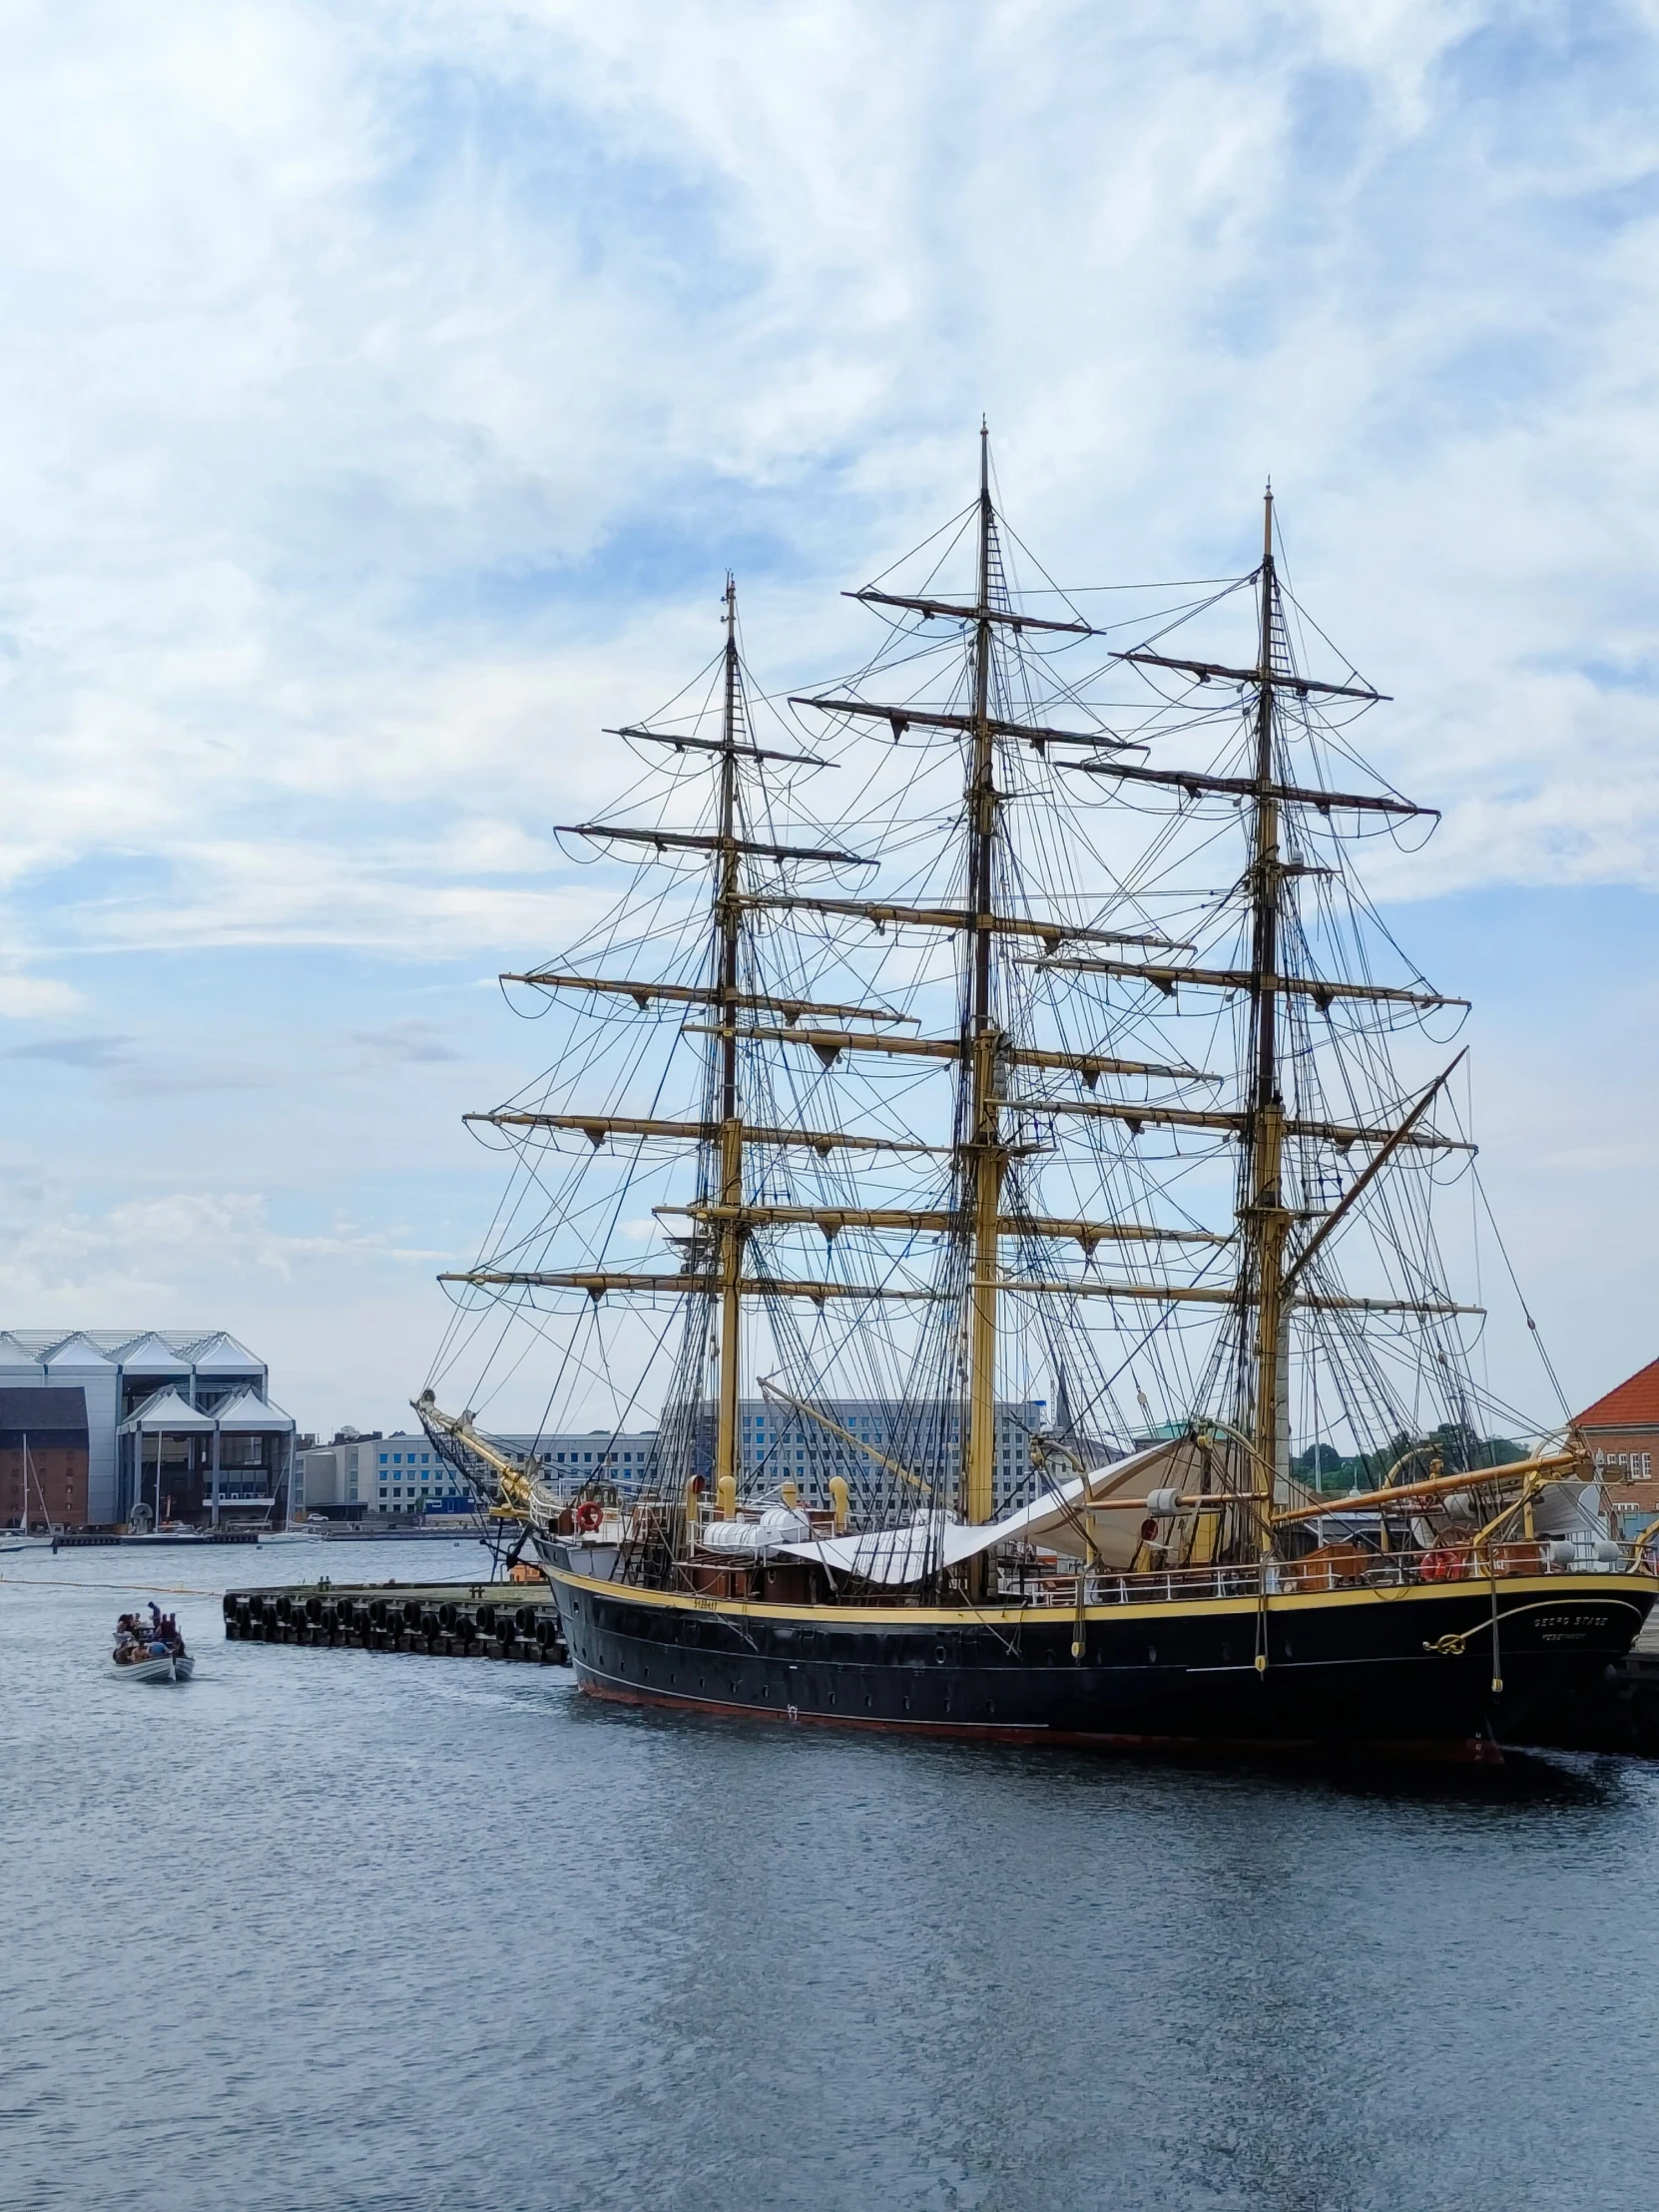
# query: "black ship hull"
[1405,1671]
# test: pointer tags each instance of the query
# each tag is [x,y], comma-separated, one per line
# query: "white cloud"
[146,1250]
[25,997]
[353,356]
[386,389]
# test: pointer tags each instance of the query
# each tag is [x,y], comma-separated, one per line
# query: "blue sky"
[387,389]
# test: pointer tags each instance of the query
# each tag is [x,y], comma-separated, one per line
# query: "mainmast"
[984,1159]
[731,1231]
[1263,1218]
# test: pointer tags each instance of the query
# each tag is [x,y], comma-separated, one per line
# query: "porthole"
[939,1655]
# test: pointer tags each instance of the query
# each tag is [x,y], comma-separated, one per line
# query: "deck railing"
[1344,1568]
[1442,1565]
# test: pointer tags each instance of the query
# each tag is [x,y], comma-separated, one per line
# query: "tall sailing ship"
[1038,1143]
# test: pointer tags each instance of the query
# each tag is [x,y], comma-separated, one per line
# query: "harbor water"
[345,1932]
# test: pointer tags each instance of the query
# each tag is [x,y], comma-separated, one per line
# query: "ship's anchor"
[1455,1643]
[1453,1646]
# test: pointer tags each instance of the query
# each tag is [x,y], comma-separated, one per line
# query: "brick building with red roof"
[1622,1431]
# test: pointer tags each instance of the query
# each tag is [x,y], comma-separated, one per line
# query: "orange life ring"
[1442,1564]
[589,1514]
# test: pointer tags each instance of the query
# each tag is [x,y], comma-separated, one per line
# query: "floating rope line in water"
[167,1589]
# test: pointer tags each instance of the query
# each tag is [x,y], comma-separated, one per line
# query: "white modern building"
[627,1458]
[175,1420]
[358,1477]
[327,1476]
[777,1445]
[362,1477]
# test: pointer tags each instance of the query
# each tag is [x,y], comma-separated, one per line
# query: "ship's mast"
[985,1159]
[730,1229]
[1263,1220]
[1000,1072]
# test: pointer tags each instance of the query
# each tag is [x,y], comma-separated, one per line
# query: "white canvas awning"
[245,1412]
[221,1354]
[892,1557]
[150,1356]
[166,1414]
[75,1354]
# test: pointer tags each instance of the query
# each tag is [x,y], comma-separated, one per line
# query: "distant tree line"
[1457,1448]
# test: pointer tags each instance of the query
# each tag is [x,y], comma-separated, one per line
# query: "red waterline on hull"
[1472,1751]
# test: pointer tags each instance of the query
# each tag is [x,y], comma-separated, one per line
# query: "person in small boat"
[165,1632]
[129,1642]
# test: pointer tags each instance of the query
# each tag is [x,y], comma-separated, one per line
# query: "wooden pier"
[444,1620]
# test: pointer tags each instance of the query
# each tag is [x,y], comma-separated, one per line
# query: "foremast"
[985,1159]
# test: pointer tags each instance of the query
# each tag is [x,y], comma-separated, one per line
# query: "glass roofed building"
[180,1423]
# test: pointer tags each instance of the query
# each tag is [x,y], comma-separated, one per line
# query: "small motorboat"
[172,1666]
[150,1651]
